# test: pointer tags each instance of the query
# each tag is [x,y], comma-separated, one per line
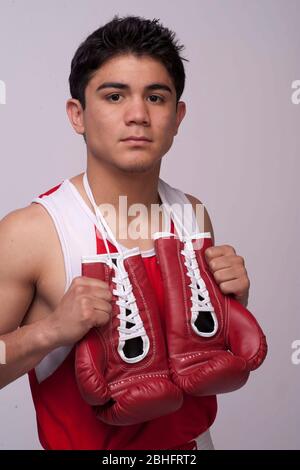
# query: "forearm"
[23,349]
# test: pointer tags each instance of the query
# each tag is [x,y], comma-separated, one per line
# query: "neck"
[108,183]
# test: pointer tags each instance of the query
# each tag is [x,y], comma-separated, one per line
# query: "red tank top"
[65,421]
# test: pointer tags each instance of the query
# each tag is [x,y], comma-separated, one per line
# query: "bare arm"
[23,347]
[85,304]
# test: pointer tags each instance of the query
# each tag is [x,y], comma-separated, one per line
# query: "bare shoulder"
[203,219]
[23,239]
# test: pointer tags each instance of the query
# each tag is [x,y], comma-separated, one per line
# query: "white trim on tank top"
[92,216]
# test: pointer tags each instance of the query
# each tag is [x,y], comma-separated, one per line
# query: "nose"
[137,112]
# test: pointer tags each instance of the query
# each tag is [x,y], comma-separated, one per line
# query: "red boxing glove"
[213,341]
[122,367]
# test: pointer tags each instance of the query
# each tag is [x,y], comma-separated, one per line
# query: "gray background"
[237,151]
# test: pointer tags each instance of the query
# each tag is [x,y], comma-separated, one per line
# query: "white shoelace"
[124,291]
[127,302]
[197,284]
[200,295]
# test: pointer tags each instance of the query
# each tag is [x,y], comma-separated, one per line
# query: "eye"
[115,97]
[156,99]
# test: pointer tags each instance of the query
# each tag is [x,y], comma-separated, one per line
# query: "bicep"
[16,272]
[15,298]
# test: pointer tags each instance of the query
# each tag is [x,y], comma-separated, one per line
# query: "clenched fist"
[86,304]
[229,271]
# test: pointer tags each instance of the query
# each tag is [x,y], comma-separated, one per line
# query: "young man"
[126,82]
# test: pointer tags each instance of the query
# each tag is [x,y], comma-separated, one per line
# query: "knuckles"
[218,277]
[77,281]
[83,301]
[78,290]
[212,265]
[229,250]
[225,288]
[240,260]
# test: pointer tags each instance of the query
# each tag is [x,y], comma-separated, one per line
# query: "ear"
[180,113]
[75,113]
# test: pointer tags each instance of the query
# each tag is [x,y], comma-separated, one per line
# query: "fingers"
[101,317]
[102,305]
[95,299]
[226,261]
[215,251]
[228,274]
[89,282]
[228,270]
[238,287]
[104,294]
[97,312]
[93,287]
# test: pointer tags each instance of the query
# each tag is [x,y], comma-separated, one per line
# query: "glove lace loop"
[134,343]
[131,325]
[203,318]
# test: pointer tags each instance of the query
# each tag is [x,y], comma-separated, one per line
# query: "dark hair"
[130,34]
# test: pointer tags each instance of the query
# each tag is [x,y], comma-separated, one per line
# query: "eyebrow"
[124,86]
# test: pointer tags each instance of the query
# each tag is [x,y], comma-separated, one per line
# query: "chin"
[137,168]
[138,165]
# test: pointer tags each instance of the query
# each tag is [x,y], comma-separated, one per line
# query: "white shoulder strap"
[180,209]
[76,238]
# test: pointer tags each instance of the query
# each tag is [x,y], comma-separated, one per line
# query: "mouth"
[136,142]
[136,139]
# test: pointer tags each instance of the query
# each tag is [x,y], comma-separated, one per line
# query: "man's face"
[130,97]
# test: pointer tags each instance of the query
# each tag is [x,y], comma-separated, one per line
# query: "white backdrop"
[237,150]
